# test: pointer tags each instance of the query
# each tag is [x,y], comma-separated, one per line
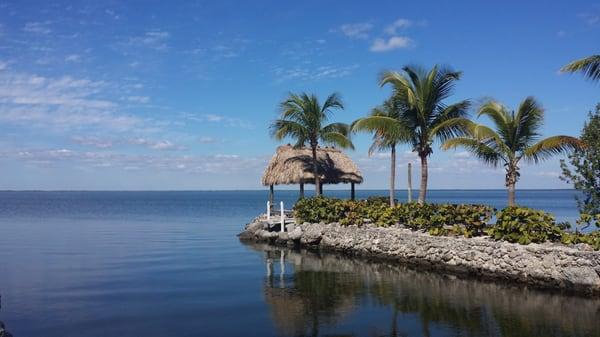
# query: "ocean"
[170,264]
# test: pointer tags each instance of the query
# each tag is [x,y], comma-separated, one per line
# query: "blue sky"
[167,95]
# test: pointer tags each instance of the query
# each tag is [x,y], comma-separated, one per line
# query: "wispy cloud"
[218,164]
[155,39]
[393,28]
[394,42]
[138,99]
[217,119]
[73,58]
[313,74]
[93,141]
[155,145]
[356,30]
[38,27]
[64,102]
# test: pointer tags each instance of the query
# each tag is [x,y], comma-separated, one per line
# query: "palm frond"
[337,139]
[479,149]
[450,128]
[333,101]
[551,146]
[589,66]
[282,128]
[529,119]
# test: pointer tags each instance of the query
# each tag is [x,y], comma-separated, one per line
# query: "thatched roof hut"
[292,165]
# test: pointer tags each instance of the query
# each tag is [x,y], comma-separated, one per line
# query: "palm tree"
[303,118]
[589,66]
[515,137]
[428,118]
[388,131]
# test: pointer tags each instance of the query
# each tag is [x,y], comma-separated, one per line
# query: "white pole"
[282,217]
[268,210]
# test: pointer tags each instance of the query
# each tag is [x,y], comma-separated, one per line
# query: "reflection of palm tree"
[325,288]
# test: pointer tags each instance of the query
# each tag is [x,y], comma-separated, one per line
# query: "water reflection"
[311,294]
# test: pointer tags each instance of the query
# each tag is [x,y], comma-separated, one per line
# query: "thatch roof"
[293,166]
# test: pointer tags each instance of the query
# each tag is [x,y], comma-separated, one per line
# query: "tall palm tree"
[388,130]
[515,137]
[422,94]
[589,66]
[303,118]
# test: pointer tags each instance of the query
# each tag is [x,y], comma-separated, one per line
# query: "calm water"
[169,264]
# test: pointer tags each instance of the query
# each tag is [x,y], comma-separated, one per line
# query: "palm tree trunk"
[511,195]
[316,171]
[424,176]
[393,176]
[511,181]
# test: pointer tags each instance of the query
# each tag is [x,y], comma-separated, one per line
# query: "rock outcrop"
[548,265]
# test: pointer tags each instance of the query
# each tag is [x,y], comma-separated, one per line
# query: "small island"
[515,244]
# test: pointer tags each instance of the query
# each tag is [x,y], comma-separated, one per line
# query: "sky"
[179,95]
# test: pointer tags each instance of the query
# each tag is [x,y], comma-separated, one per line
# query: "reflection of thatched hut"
[292,165]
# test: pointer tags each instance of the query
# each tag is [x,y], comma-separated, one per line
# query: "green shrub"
[572,238]
[525,225]
[428,217]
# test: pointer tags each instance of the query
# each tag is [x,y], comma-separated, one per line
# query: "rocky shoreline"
[573,269]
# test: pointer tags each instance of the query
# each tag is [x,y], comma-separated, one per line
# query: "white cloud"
[3,65]
[37,27]
[356,30]
[461,155]
[313,74]
[64,102]
[398,24]
[394,42]
[155,39]
[73,58]
[220,163]
[93,141]
[155,145]
[138,99]
[207,140]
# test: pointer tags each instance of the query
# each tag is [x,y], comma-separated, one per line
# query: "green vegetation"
[515,137]
[583,171]
[589,66]
[303,118]
[424,114]
[513,224]
[525,225]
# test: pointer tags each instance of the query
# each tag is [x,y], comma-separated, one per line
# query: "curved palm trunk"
[424,176]
[316,171]
[393,176]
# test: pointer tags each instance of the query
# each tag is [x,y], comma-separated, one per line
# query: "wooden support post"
[271,196]
[409,182]
[268,210]
[301,189]
[352,191]
[282,217]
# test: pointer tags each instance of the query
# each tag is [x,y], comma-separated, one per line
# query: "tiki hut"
[292,165]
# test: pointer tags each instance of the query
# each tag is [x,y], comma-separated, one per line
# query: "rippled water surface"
[169,264]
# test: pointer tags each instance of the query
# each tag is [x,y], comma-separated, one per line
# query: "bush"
[470,219]
[573,238]
[525,225]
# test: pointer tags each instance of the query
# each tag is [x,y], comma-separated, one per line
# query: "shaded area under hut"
[291,166]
